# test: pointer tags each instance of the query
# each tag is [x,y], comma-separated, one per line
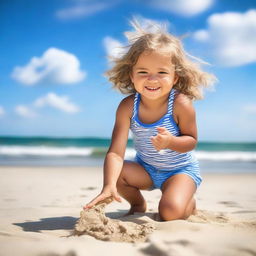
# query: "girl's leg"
[177,200]
[133,177]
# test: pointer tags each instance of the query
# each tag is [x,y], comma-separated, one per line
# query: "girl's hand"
[106,192]
[163,139]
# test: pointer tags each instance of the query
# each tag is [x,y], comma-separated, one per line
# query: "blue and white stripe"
[164,160]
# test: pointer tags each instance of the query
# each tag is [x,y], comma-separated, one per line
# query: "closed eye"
[162,72]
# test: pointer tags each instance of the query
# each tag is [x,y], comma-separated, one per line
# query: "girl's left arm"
[185,116]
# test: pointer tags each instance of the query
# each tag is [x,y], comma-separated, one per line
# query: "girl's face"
[153,75]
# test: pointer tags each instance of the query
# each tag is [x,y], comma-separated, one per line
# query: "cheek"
[167,80]
[138,79]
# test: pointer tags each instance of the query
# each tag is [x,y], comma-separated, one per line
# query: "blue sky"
[53,56]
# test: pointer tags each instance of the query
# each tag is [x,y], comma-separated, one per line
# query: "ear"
[176,78]
[131,76]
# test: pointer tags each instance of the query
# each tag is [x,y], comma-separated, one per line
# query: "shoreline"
[205,167]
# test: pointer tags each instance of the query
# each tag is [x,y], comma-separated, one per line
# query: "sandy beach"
[41,205]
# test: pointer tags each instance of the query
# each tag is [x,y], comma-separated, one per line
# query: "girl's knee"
[171,210]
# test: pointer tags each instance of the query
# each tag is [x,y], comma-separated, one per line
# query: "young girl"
[162,82]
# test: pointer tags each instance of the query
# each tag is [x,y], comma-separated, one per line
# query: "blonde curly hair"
[191,79]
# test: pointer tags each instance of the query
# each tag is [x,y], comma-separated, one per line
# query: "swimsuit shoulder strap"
[171,101]
[135,104]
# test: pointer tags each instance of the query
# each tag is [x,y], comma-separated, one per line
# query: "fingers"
[155,141]
[117,197]
[107,200]
[103,197]
[94,201]
[160,141]
[161,129]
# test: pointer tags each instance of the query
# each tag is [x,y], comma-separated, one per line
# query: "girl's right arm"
[115,156]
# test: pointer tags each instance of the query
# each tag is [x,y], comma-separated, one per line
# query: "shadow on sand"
[56,223]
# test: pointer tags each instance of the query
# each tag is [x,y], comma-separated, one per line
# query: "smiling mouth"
[152,89]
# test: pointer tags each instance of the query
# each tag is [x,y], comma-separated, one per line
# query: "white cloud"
[232,37]
[55,66]
[2,112]
[82,9]
[182,7]
[24,111]
[113,47]
[59,102]
[201,35]
[250,108]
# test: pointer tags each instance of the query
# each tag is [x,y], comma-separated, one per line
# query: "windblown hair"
[191,79]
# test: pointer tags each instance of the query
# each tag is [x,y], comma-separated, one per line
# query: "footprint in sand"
[89,188]
[203,216]
[230,204]
[94,222]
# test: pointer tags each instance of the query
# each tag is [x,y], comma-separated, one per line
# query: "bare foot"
[137,208]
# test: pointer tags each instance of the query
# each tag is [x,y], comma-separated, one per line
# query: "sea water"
[45,151]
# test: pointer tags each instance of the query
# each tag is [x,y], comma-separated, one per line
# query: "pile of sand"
[94,222]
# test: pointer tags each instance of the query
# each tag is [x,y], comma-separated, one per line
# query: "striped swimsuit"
[162,164]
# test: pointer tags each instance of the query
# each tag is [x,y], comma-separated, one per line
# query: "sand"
[94,222]
[41,206]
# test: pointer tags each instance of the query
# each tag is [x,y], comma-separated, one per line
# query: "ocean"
[45,151]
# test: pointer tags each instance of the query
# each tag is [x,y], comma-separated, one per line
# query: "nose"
[152,78]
